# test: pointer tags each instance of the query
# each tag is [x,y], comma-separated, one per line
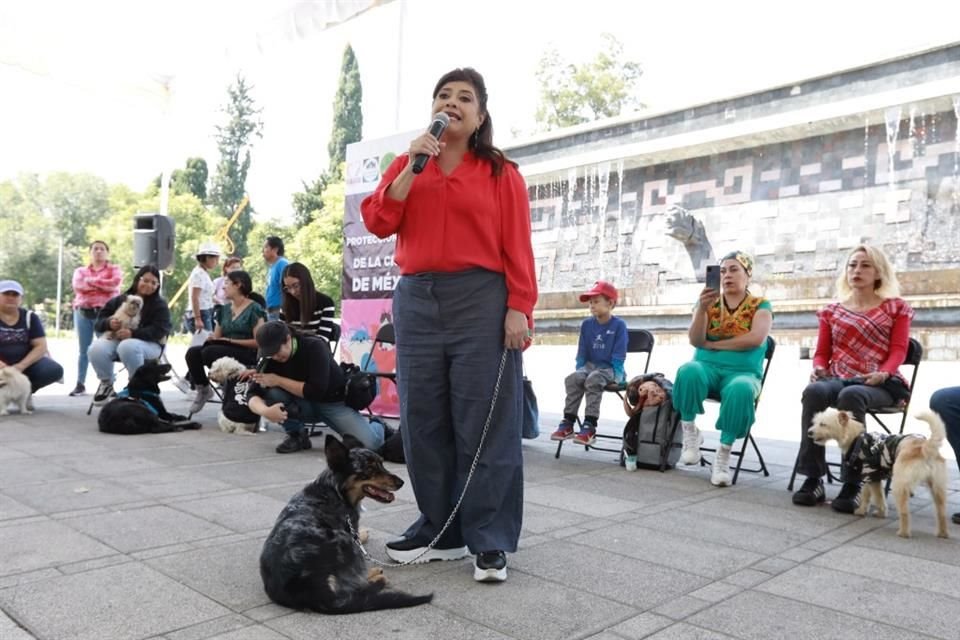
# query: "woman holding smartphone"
[729,331]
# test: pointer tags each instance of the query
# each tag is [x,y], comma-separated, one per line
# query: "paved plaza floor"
[123,538]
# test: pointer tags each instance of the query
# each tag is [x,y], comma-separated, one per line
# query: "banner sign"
[369,272]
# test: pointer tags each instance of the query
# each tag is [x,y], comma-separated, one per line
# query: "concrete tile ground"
[157,537]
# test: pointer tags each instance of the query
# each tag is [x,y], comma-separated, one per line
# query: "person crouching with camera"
[298,382]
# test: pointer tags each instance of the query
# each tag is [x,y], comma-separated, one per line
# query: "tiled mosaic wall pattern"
[798,206]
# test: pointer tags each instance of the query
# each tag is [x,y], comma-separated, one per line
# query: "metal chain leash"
[456,507]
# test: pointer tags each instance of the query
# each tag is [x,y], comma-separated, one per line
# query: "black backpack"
[360,387]
[653,433]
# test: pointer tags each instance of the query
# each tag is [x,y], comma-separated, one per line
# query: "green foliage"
[308,203]
[347,113]
[34,213]
[571,94]
[191,179]
[75,200]
[234,141]
[319,245]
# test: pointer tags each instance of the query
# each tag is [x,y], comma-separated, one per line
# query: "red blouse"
[462,221]
[855,343]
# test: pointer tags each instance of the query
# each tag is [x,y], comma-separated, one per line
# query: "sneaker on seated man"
[298,383]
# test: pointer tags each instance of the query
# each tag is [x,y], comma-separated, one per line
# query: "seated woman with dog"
[23,343]
[862,342]
[729,330]
[233,336]
[305,310]
[131,346]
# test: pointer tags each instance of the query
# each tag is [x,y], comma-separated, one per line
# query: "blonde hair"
[886,285]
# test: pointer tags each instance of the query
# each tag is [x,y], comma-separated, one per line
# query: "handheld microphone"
[437,127]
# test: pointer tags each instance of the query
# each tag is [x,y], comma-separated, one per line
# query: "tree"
[234,141]
[308,203]
[319,245]
[347,128]
[347,113]
[191,179]
[75,200]
[572,94]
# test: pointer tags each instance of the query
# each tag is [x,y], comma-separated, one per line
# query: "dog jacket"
[872,455]
[236,401]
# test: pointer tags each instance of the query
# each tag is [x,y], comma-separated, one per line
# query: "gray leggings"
[833,392]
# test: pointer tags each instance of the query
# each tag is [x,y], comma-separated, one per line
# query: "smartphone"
[713,276]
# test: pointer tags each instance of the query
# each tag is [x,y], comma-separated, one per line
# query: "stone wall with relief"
[798,206]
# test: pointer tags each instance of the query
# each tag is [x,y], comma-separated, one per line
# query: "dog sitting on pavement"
[909,458]
[14,388]
[311,559]
[138,409]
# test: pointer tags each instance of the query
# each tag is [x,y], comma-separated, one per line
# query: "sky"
[120,88]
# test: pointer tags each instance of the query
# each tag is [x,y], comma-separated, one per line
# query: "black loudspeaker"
[153,240]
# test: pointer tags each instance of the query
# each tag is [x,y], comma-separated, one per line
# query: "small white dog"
[909,458]
[226,371]
[128,314]
[14,388]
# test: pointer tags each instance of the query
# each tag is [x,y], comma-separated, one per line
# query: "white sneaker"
[692,439]
[720,474]
[182,385]
[204,393]
[630,462]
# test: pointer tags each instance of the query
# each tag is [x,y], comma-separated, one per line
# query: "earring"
[476,136]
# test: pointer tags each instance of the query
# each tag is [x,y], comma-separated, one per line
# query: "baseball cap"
[10,285]
[600,288]
[271,336]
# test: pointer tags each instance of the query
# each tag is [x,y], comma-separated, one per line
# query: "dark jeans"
[833,392]
[946,402]
[198,358]
[43,372]
[449,329]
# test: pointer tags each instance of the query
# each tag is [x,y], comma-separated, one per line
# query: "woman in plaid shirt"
[862,342]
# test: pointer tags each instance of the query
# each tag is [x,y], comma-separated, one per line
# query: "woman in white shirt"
[201,288]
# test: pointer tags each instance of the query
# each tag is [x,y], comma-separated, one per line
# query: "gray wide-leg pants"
[449,330]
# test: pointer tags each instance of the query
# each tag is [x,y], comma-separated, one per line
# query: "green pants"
[737,391]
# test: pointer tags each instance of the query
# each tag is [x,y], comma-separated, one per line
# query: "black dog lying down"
[310,559]
[138,409]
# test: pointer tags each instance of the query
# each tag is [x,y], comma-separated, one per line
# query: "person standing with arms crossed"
[466,293]
[93,285]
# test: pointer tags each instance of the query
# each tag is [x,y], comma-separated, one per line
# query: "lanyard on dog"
[466,485]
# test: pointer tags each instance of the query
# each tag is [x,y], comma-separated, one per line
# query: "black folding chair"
[638,341]
[747,439]
[914,356]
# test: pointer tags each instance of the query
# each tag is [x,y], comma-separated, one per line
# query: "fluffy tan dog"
[14,387]
[910,458]
[128,314]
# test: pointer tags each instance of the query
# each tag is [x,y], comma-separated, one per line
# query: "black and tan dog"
[310,560]
[138,409]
